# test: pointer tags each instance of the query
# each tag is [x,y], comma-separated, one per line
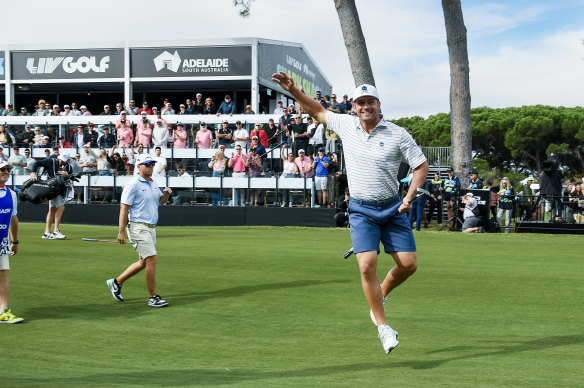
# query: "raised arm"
[310,106]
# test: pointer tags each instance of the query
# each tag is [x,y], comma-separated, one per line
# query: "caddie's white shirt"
[143,197]
[373,159]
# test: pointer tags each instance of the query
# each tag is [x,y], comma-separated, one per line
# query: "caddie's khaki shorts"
[145,237]
[4,265]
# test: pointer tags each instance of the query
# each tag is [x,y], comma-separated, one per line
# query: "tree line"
[512,139]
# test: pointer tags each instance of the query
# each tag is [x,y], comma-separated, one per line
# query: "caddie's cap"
[5,164]
[63,157]
[143,159]
[365,90]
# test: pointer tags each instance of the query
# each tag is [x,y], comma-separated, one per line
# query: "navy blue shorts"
[371,225]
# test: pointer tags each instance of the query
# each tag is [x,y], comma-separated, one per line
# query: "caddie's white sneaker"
[371,311]
[58,235]
[48,236]
[388,338]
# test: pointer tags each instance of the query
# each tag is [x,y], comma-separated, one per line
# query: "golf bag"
[491,225]
[43,191]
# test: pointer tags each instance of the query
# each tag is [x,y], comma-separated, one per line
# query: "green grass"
[279,307]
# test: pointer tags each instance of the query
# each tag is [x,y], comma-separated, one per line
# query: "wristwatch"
[15,242]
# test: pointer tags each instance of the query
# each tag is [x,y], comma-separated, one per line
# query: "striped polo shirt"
[373,159]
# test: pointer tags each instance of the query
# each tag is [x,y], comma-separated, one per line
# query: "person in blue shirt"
[320,166]
[139,215]
[227,107]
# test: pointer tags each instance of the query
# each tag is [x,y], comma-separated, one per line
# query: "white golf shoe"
[388,338]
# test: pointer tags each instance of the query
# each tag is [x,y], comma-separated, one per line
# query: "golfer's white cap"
[64,157]
[365,91]
[144,158]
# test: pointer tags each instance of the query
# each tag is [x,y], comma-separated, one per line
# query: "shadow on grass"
[500,348]
[134,307]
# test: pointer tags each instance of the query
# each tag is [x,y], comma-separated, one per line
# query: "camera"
[123,121]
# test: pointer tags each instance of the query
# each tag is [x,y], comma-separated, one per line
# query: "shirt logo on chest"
[381,144]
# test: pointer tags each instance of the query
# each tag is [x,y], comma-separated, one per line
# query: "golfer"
[139,214]
[8,226]
[373,150]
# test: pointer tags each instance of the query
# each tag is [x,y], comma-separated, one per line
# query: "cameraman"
[471,214]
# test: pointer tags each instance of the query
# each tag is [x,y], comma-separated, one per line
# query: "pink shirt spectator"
[305,166]
[204,138]
[125,137]
[179,137]
[143,136]
[238,163]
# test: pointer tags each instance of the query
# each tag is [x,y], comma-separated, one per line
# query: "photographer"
[471,214]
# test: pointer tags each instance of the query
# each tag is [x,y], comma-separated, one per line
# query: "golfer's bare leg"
[151,274]
[50,218]
[4,290]
[132,270]
[58,217]
[370,283]
[407,263]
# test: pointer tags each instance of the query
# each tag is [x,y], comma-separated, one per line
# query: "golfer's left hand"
[406,206]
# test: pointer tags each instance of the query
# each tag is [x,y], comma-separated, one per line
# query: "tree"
[355,42]
[461,131]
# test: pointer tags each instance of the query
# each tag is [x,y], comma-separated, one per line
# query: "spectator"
[5,138]
[128,164]
[55,153]
[24,112]
[182,196]
[227,107]
[189,108]
[90,136]
[255,170]
[331,140]
[115,160]
[300,133]
[259,148]
[248,110]
[182,110]
[451,188]
[279,108]
[304,164]
[326,103]
[342,216]
[42,110]
[417,210]
[74,110]
[217,164]
[239,163]
[143,131]
[167,110]
[240,135]
[319,97]
[316,140]
[106,111]
[9,111]
[17,161]
[119,109]
[335,106]
[261,134]
[224,134]
[160,166]
[198,105]
[493,199]
[56,111]
[471,214]
[436,189]
[204,137]
[38,137]
[505,206]
[78,137]
[292,109]
[569,202]
[209,108]
[27,138]
[123,121]
[107,140]
[46,142]
[289,170]
[320,166]
[88,161]
[63,143]
[67,111]
[474,183]
[104,166]
[145,108]
[132,109]
[30,161]
[526,199]
[159,117]
[179,137]
[159,135]
[84,111]
[155,111]
[272,132]
[346,106]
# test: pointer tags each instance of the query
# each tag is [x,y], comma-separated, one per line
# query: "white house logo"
[173,62]
[69,64]
[167,61]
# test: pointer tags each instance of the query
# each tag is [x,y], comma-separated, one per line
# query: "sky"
[521,52]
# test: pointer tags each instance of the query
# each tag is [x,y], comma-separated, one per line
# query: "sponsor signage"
[296,63]
[191,62]
[68,64]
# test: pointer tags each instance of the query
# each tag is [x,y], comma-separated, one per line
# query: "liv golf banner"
[191,62]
